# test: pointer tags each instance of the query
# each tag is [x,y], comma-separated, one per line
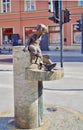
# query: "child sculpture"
[33,45]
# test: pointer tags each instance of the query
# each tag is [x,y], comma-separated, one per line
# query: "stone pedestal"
[25,92]
[28,91]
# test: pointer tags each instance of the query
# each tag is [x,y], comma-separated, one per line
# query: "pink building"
[21,16]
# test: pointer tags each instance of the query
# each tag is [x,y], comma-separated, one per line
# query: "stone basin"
[33,73]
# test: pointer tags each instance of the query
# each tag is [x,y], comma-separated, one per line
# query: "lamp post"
[55,19]
[61,35]
[82,36]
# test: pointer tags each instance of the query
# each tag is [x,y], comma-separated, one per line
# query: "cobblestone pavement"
[60,118]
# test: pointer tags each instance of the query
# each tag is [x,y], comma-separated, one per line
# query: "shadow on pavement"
[4,122]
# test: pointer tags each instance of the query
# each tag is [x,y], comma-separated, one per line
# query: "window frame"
[26,6]
[80,3]
[6,4]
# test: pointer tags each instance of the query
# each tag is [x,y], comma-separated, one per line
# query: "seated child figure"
[33,44]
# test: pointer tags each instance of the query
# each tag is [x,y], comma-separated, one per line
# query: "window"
[30,5]
[80,2]
[5,6]
[54,35]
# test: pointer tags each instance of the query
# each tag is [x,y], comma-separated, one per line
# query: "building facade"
[18,18]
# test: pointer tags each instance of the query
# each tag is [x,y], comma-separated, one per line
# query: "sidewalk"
[68,50]
[73,47]
[65,53]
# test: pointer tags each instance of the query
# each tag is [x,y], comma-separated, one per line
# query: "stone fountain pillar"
[28,92]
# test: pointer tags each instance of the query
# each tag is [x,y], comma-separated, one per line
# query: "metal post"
[61,36]
[82,36]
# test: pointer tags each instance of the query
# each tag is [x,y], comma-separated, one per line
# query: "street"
[6,91]
[67,91]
